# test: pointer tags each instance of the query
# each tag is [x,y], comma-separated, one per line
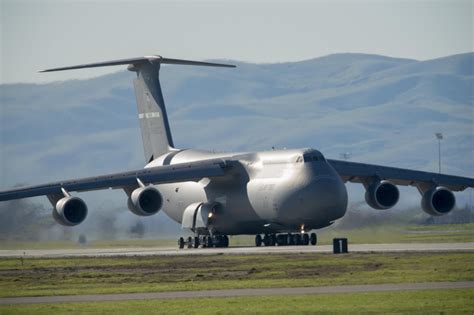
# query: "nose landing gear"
[285,239]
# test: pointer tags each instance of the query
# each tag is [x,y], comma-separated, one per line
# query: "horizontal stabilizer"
[141,60]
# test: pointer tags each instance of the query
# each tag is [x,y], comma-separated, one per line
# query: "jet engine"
[438,201]
[381,195]
[70,211]
[145,201]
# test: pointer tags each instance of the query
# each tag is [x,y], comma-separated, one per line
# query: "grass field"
[368,235]
[97,275]
[424,302]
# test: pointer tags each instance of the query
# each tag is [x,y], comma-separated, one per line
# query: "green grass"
[430,301]
[97,275]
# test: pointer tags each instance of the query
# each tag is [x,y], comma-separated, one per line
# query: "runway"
[240,292]
[170,251]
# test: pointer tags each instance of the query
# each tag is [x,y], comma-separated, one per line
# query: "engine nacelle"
[70,211]
[145,201]
[382,195]
[438,201]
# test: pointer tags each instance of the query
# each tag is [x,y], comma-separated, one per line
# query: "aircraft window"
[313,157]
[299,159]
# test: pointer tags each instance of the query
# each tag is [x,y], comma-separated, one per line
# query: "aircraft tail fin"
[154,125]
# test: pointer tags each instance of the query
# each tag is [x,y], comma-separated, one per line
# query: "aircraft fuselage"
[270,191]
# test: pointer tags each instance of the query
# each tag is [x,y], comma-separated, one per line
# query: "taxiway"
[240,292]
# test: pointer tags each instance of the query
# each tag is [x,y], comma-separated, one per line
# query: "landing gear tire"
[258,240]
[266,240]
[221,241]
[190,242]
[181,243]
[313,239]
[218,241]
[298,239]
[272,240]
[209,242]
[225,240]
[305,239]
[291,239]
[196,242]
[282,239]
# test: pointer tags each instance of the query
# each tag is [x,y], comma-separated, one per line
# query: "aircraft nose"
[330,197]
[324,200]
[315,199]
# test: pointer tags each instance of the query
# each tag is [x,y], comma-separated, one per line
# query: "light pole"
[439,136]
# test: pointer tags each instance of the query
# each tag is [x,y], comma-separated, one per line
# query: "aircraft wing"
[192,171]
[361,172]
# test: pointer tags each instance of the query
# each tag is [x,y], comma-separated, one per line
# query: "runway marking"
[240,292]
[172,251]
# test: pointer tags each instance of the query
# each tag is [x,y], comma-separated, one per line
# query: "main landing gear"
[204,241]
[286,239]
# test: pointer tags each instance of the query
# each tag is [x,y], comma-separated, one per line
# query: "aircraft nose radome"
[325,199]
[331,195]
[321,200]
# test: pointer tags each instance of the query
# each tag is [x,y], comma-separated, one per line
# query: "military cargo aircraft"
[276,195]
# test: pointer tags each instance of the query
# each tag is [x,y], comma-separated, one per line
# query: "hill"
[380,109]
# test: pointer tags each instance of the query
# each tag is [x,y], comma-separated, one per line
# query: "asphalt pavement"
[169,251]
[241,292]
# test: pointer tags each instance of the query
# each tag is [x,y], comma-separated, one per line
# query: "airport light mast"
[345,155]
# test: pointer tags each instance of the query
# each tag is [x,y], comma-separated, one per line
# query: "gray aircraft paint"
[247,193]
[154,125]
[273,188]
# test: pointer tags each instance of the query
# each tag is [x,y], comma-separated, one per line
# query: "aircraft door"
[189,216]
[196,216]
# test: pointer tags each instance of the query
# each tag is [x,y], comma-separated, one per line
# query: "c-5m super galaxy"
[279,194]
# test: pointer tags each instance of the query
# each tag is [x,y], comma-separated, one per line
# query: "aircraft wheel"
[226,241]
[221,241]
[281,240]
[258,240]
[266,240]
[196,242]
[298,239]
[291,240]
[190,242]
[209,242]
[313,239]
[272,240]
[305,239]
[181,242]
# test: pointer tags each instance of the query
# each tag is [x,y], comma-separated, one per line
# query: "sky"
[43,34]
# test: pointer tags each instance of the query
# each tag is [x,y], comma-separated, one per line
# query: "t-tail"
[154,125]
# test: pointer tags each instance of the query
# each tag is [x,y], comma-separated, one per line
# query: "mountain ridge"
[354,102]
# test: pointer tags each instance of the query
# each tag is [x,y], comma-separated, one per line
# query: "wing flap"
[358,172]
[193,171]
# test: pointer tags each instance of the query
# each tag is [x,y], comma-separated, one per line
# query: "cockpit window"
[313,157]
